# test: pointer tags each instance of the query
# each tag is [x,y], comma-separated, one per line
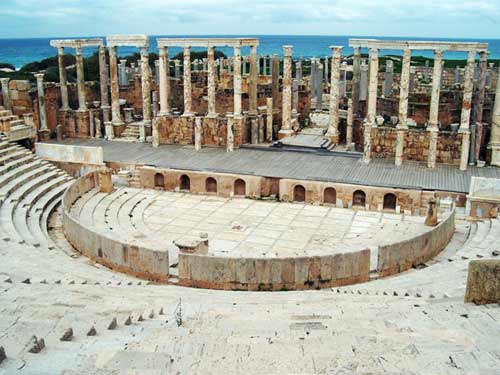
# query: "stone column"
[404,88]
[146,93]
[122,73]
[466,110]
[164,81]
[356,78]
[372,87]
[348,137]
[254,131]
[197,133]
[230,133]
[457,75]
[481,90]
[211,83]
[80,79]
[286,126]
[434,108]
[254,79]
[363,83]
[177,69]
[295,97]
[6,93]
[333,125]
[115,88]
[269,120]
[275,74]
[103,82]
[319,87]
[388,79]
[298,72]
[188,111]
[237,81]
[325,69]
[495,127]
[63,81]
[41,103]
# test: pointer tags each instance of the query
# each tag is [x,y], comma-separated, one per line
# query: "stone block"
[483,282]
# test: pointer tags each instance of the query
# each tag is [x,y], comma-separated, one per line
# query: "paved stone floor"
[242,227]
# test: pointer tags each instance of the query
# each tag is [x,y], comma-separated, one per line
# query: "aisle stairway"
[14,128]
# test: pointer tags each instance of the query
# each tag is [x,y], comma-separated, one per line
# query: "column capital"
[186,49]
[374,51]
[237,51]
[163,51]
[438,54]
[60,51]
[471,57]
[336,51]
[287,51]
[144,51]
[78,50]
[211,50]
[6,80]
[38,76]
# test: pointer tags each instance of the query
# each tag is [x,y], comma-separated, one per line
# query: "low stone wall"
[259,274]
[483,282]
[198,182]
[135,260]
[403,255]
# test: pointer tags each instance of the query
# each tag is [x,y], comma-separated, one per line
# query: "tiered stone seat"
[13,127]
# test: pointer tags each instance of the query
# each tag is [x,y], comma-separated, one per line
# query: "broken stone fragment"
[37,345]
[140,319]
[128,321]
[8,280]
[113,324]
[161,311]
[27,281]
[67,335]
[151,314]
[92,331]
[3,356]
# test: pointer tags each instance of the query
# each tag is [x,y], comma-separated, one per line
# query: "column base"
[212,115]
[44,135]
[495,154]
[284,133]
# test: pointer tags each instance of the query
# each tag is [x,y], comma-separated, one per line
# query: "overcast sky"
[420,18]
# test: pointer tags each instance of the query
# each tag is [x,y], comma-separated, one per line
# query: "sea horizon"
[20,51]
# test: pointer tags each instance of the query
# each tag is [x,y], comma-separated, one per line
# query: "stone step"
[12,156]
[11,149]
[17,171]
[10,187]
[17,122]
[20,214]
[35,214]
[5,113]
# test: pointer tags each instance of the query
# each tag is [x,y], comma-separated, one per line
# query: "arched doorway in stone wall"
[390,201]
[211,185]
[240,188]
[299,193]
[185,183]
[359,198]
[330,196]
[159,180]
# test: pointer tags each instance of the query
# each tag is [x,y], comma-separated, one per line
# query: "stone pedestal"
[105,180]
[109,130]
[82,124]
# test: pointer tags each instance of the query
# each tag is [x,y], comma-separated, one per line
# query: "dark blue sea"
[21,51]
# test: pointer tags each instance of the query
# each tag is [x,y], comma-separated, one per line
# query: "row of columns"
[433,124]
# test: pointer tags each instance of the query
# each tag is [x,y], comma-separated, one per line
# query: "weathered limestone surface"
[483,282]
[333,126]
[434,107]
[188,111]
[286,127]
[466,109]
[237,81]
[403,106]
[495,128]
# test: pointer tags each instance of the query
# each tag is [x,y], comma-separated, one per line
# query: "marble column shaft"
[350,121]
[6,93]
[164,81]
[333,124]
[269,119]
[495,127]
[434,108]
[404,88]
[115,88]
[146,93]
[254,79]
[466,110]
[63,81]
[237,81]
[230,134]
[197,133]
[275,74]
[103,81]
[481,91]
[211,82]
[372,87]
[356,78]
[41,102]
[187,82]
[287,88]
[80,80]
